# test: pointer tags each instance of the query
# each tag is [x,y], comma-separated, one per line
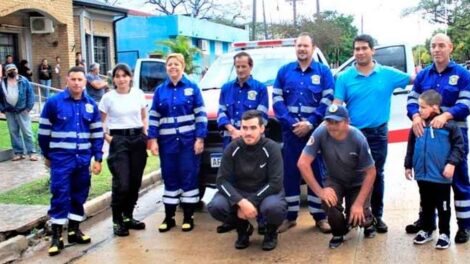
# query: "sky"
[381,18]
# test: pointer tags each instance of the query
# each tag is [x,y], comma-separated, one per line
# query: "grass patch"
[5,142]
[37,192]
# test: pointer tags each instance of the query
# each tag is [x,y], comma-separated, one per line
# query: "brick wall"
[59,43]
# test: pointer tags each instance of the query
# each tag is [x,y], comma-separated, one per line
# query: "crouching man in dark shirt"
[249,182]
[351,174]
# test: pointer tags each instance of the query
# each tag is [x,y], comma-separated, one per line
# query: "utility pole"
[253,26]
[264,21]
[294,6]
[318,8]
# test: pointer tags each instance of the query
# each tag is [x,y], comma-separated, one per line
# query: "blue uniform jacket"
[429,154]
[71,127]
[235,100]
[454,86]
[25,96]
[177,116]
[302,96]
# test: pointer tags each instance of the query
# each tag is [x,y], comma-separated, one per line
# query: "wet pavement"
[301,244]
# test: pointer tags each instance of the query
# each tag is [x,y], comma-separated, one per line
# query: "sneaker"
[336,241]
[33,157]
[422,237]
[370,231]
[413,228]
[286,224]
[324,226]
[443,242]
[462,235]
[380,226]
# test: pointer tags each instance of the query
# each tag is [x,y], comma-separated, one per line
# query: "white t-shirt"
[12,93]
[123,110]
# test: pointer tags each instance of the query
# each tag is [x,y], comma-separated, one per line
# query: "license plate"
[215,160]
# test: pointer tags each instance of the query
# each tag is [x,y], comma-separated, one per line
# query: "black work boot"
[119,229]
[244,230]
[188,221]
[462,236]
[380,225]
[270,237]
[131,223]
[75,235]
[57,243]
[225,227]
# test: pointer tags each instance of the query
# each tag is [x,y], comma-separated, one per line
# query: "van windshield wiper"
[210,88]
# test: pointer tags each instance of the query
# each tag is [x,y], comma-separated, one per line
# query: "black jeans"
[126,161]
[435,195]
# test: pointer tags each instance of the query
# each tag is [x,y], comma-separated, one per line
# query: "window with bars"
[101,52]
[8,46]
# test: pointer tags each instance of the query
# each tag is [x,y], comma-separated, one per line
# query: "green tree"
[421,55]
[333,33]
[453,13]
[180,44]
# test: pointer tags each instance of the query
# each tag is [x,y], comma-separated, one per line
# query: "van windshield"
[266,64]
[152,74]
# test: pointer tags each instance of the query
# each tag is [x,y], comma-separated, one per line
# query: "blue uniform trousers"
[70,183]
[291,151]
[180,176]
[461,187]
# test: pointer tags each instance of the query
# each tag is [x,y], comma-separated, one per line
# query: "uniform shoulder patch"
[316,79]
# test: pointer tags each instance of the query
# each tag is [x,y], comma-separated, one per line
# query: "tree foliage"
[332,32]
[180,44]
[453,13]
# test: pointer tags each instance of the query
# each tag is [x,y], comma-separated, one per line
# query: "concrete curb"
[12,248]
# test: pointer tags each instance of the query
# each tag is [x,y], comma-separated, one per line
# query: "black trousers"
[435,196]
[126,161]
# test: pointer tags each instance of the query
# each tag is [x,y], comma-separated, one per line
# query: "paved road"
[302,244]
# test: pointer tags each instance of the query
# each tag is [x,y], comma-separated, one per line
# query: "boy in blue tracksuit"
[433,158]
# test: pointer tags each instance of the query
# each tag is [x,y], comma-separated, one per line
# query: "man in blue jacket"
[16,101]
[70,134]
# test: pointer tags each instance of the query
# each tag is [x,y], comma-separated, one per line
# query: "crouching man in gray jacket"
[249,182]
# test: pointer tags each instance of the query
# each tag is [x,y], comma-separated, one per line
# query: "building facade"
[139,35]
[44,29]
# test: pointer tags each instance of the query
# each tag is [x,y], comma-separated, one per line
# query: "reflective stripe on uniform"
[96,125]
[277,99]
[44,132]
[201,119]
[307,109]
[291,199]
[262,108]
[44,121]
[199,109]
[293,109]
[277,91]
[154,113]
